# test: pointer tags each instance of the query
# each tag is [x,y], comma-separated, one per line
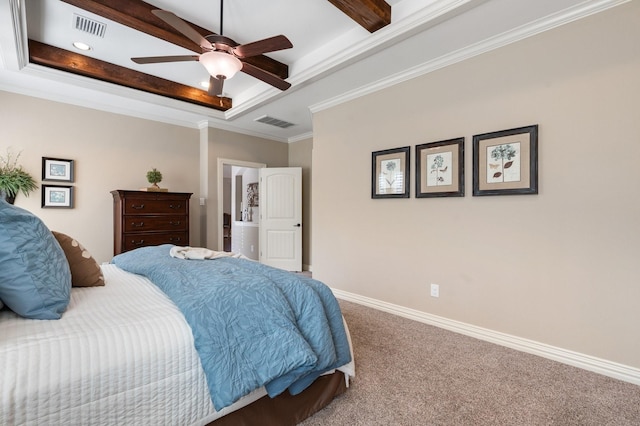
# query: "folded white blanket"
[199,253]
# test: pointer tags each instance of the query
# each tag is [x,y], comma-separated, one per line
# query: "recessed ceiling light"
[80,45]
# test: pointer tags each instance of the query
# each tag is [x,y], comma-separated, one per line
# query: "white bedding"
[121,354]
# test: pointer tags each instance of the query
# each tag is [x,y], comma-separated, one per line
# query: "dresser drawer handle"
[175,207]
[137,207]
[137,225]
[176,239]
[137,243]
[175,223]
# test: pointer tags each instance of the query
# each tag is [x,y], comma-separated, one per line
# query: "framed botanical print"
[390,173]
[440,169]
[54,196]
[57,169]
[506,162]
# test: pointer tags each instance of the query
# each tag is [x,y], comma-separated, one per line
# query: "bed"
[123,352]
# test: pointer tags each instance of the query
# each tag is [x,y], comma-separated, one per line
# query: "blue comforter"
[253,325]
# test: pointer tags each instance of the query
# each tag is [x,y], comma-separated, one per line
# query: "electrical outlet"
[435,290]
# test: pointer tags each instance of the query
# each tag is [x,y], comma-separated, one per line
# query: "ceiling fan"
[222,57]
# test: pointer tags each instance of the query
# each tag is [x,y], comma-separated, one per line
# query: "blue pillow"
[35,280]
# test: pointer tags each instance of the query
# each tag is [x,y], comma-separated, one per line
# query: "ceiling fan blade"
[180,25]
[159,59]
[265,76]
[215,85]
[259,47]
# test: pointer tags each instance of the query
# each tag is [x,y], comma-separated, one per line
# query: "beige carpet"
[409,373]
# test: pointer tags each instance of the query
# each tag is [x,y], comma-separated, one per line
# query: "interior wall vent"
[84,24]
[274,122]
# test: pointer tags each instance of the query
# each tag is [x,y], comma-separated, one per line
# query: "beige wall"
[560,267]
[239,147]
[300,156]
[111,151]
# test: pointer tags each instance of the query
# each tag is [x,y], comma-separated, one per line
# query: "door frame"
[221,163]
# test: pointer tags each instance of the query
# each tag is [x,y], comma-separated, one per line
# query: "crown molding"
[300,137]
[231,128]
[14,33]
[525,31]
[355,51]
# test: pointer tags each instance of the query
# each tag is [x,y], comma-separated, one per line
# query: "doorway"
[238,221]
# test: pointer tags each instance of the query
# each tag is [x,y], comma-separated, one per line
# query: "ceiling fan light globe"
[220,63]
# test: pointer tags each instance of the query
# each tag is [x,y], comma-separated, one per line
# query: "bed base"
[286,409]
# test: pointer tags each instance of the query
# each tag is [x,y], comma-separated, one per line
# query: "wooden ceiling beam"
[371,14]
[54,57]
[137,14]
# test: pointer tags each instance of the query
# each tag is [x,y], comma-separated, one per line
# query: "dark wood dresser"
[149,218]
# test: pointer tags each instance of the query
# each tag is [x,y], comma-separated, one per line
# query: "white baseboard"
[576,359]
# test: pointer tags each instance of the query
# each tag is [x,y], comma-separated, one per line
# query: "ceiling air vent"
[90,26]
[274,122]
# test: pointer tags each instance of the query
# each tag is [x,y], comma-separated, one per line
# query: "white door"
[280,201]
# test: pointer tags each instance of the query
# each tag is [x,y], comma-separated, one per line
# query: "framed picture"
[390,173]
[57,196]
[252,194]
[506,162]
[440,169]
[57,169]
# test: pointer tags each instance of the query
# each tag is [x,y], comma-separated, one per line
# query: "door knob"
[297,225]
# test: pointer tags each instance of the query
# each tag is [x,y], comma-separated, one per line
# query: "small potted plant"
[14,179]
[154,177]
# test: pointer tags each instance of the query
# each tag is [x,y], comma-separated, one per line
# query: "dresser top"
[121,192]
